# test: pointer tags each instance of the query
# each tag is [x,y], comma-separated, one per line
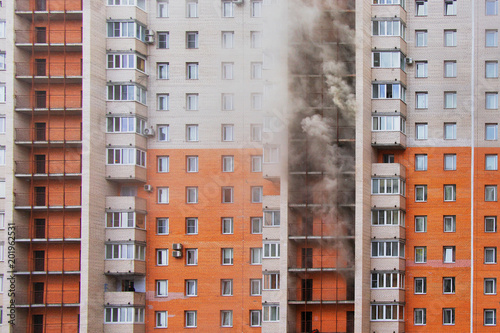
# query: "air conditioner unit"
[148,188]
[150,39]
[409,61]
[177,246]
[149,32]
[149,131]
[177,254]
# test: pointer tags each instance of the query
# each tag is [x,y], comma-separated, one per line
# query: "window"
[139,3]
[388,217]
[123,251]
[228,39]
[389,123]
[161,288]
[256,101]
[420,162]
[227,133]
[192,71]
[256,163]
[226,287]
[191,226]
[125,61]
[450,223]
[192,102]
[191,288]
[271,154]
[256,133]
[162,226]
[386,312]
[491,38]
[420,193]
[191,257]
[490,286]
[227,226]
[192,133]
[126,93]
[191,39]
[227,194]
[450,38]
[255,39]
[491,162]
[388,186]
[387,249]
[450,7]
[2,29]
[256,70]
[227,70]
[422,100]
[272,218]
[3,97]
[256,223]
[255,287]
[227,256]
[163,195]
[163,133]
[256,8]
[163,102]
[491,131]
[227,163]
[256,256]
[450,100]
[191,11]
[191,195]
[123,315]
[256,194]
[450,192]
[449,316]
[226,318]
[421,70]
[227,102]
[387,280]
[162,257]
[421,8]
[190,317]
[491,7]
[490,193]
[421,38]
[163,40]
[421,131]
[191,163]
[2,220]
[490,255]
[450,69]
[162,71]
[420,254]
[125,125]
[162,9]
[163,163]
[255,318]
[388,91]
[161,319]
[420,285]
[448,254]
[490,224]
[419,316]
[421,223]
[491,69]
[450,161]
[388,60]
[271,281]
[492,100]
[448,285]
[227,9]
[271,313]
[490,317]
[390,27]
[271,250]
[126,29]
[126,156]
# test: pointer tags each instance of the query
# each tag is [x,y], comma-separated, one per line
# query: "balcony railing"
[49,37]
[50,167]
[49,297]
[51,134]
[48,5]
[316,198]
[42,101]
[67,265]
[327,294]
[52,199]
[325,262]
[52,231]
[50,69]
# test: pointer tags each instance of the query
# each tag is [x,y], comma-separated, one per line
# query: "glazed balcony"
[56,40]
[43,200]
[41,102]
[47,298]
[56,72]
[48,266]
[323,295]
[124,298]
[50,233]
[52,135]
[50,168]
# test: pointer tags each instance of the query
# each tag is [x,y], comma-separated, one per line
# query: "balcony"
[55,8]
[49,266]
[125,267]
[320,263]
[119,203]
[126,173]
[318,199]
[41,40]
[389,139]
[47,298]
[51,168]
[322,295]
[124,298]
[54,200]
[388,170]
[50,233]
[41,72]
[44,136]
[125,234]
[40,102]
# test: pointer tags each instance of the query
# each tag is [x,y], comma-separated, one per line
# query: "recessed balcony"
[40,233]
[47,298]
[56,9]
[42,199]
[42,71]
[42,39]
[42,168]
[51,266]
[41,102]
[44,136]
[323,295]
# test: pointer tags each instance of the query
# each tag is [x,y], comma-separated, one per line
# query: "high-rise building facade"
[248,165]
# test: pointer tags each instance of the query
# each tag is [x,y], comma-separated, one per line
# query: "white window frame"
[257,193]
[420,285]
[226,287]
[490,193]
[421,223]
[227,9]
[493,286]
[191,287]
[192,9]
[162,10]
[255,318]
[271,250]
[162,70]
[226,318]
[256,256]
[421,70]
[227,256]
[161,319]
[491,100]
[192,71]
[163,102]
[421,38]
[450,162]
[192,39]
[271,313]
[227,70]
[161,288]
[191,226]
[161,257]
[419,316]
[421,131]
[490,317]
[421,100]
[420,162]
[192,102]
[420,193]
[491,38]
[163,133]
[491,69]
[163,163]
[256,225]
[163,40]
[163,195]
[448,316]
[490,224]
[228,163]
[191,257]
[490,252]
[450,192]
[192,131]
[191,164]
[190,319]
[255,287]
[227,225]
[449,223]
[420,254]
[449,253]
[227,39]
[450,38]
[162,223]
[227,193]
